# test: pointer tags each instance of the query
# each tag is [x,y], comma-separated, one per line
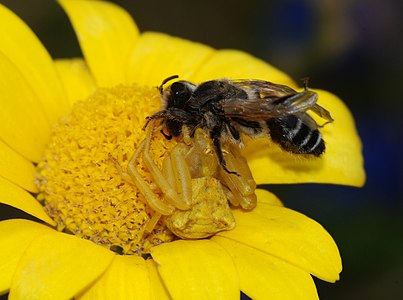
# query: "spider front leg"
[172,197]
[133,176]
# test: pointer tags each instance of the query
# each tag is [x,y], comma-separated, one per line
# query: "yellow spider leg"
[201,158]
[241,166]
[167,170]
[244,201]
[181,171]
[171,173]
[171,195]
[152,200]
[152,222]
[126,177]
[230,196]
[242,186]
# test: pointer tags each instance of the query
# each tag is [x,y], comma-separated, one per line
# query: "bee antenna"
[161,87]
[305,81]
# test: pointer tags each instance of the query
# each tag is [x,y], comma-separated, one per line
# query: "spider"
[195,188]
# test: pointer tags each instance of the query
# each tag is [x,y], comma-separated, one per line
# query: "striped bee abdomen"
[294,136]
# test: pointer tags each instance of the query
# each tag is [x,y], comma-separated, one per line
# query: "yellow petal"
[196,270]
[76,78]
[16,168]
[290,236]
[15,196]
[157,289]
[158,56]
[342,163]
[58,266]
[266,198]
[15,236]
[20,45]
[126,277]
[263,276]
[23,124]
[107,35]
[236,64]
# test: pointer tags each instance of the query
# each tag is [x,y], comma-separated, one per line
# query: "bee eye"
[181,94]
[178,88]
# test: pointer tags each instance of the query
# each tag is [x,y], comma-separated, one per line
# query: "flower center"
[80,186]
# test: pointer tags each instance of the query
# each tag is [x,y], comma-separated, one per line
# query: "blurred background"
[351,48]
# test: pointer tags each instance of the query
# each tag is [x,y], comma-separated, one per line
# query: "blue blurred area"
[352,48]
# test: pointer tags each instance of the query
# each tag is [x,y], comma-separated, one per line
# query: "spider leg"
[152,222]
[133,177]
[242,186]
[175,169]
[159,178]
[182,177]
[201,158]
[126,177]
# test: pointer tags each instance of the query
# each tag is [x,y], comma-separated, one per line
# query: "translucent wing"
[269,100]
[265,89]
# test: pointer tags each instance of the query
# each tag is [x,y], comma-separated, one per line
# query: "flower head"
[67,126]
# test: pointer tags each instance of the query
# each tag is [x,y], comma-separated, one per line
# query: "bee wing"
[307,120]
[265,89]
[321,112]
[269,107]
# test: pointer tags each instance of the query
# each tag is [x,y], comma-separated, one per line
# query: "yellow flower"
[271,252]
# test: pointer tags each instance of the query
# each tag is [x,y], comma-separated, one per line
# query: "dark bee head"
[180,92]
[177,94]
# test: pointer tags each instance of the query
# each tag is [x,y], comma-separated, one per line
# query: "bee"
[225,109]
[208,121]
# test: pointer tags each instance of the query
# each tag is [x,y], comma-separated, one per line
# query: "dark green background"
[352,48]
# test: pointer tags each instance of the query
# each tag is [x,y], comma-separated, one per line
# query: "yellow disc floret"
[80,186]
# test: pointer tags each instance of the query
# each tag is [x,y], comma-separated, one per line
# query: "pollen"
[80,186]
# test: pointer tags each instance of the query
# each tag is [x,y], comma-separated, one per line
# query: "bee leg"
[171,113]
[159,178]
[215,135]
[221,160]
[158,115]
[167,136]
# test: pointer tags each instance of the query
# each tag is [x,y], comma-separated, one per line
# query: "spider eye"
[181,94]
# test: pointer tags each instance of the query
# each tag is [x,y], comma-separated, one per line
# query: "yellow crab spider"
[195,189]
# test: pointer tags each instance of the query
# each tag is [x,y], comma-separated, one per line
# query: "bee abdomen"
[294,136]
